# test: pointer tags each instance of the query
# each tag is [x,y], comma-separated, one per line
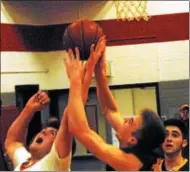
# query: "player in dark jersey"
[175,142]
[141,134]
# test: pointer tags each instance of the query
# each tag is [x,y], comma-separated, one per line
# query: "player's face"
[174,141]
[184,114]
[43,141]
[131,125]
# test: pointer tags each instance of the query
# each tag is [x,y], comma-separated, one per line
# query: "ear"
[184,144]
[132,140]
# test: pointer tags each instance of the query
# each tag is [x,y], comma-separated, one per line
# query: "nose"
[126,119]
[169,138]
[44,132]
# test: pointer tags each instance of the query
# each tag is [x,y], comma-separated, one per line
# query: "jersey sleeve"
[52,161]
[20,156]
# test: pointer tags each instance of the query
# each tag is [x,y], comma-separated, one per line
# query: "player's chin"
[169,151]
[34,145]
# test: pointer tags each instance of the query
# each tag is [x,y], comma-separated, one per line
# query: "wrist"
[29,110]
[101,71]
[100,75]
[76,82]
[76,88]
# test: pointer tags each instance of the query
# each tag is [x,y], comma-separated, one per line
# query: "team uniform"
[147,159]
[160,166]
[51,162]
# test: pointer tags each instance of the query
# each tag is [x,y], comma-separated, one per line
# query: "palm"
[74,67]
[75,70]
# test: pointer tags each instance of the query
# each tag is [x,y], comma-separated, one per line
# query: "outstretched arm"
[106,99]
[17,132]
[63,140]
[78,125]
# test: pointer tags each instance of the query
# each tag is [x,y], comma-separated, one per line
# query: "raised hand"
[96,53]
[100,68]
[38,101]
[74,67]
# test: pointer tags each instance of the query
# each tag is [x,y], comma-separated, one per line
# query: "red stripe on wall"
[160,28]
[9,114]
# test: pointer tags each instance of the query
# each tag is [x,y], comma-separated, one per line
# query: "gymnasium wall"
[164,60]
[130,63]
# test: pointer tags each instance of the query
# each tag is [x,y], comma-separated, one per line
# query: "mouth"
[169,146]
[39,140]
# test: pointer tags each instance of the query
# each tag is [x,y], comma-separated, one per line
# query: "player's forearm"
[76,113]
[105,96]
[87,80]
[17,131]
[63,139]
[108,104]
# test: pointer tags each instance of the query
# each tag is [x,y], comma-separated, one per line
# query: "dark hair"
[52,122]
[183,107]
[152,133]
[178,123]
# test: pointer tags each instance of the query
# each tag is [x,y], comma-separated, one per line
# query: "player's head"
[43,141]
[184,111]
[145,131]
[176,137]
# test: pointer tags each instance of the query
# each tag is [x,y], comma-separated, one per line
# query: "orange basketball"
[82,34]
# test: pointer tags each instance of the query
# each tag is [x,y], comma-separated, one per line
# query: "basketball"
[82,34]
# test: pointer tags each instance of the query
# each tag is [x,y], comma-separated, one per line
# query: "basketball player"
[140,134]
[184,116]
[175,142]
[50,149]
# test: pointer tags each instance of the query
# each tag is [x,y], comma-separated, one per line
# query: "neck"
[34,160]
[172,161]
[36,156]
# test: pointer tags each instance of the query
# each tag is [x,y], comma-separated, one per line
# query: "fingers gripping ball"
[82,34]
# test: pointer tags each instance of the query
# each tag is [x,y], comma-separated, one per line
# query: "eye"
[175,135]
[131,121]
[167,134]
[53,132]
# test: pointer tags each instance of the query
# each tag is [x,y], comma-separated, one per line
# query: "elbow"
[7,144]
[11,140]
[7,141]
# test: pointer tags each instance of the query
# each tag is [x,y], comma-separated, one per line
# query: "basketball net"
[130,10]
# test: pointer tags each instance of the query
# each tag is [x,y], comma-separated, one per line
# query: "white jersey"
[51,162]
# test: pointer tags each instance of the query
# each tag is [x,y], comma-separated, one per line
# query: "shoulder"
[20,155]
[121,160]
[185,167]
[158,165]
[52,161]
